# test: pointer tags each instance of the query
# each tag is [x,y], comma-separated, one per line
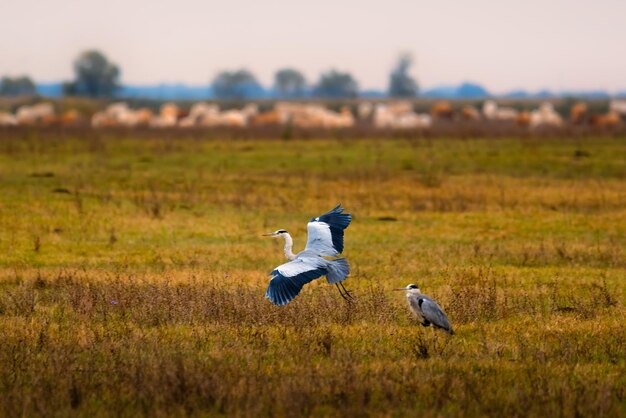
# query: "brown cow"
[523,118]
[442,110]
[270,118]
[70,117]
[579,113]
[609,120]
[470,113]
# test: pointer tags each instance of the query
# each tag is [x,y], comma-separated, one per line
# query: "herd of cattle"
[397,115]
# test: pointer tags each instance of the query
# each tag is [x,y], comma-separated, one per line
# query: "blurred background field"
[132,275]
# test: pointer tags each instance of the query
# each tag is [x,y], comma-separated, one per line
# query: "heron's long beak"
[269,234]
[402,288]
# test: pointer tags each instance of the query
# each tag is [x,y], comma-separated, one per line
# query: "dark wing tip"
[282,289]
[336,217]
[337,221]
[277,295]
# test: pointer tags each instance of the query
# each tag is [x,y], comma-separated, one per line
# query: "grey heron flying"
[427,311]
[321,257]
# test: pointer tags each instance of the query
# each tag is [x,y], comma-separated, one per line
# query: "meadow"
[133,273]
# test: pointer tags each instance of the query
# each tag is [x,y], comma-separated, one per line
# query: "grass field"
[132,276]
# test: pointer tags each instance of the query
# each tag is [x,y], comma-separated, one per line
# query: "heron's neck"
[288,246]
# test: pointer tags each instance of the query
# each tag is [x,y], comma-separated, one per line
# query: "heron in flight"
[427,311]
[321,257]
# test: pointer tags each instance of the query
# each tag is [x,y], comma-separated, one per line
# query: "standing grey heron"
[321,257]
[427,311]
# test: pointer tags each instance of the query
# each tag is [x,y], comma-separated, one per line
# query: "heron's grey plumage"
[427,311]
[430,312]
[338,270]
[325,239]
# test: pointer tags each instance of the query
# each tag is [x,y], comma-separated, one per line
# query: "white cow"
[545,116]
[197,113]
[28,115]
[364,110]
[7,119]
[413,120]
[167,117]
[209,115]
[343,119]
[492,111]
[120,114]
[618,106]
[400,115]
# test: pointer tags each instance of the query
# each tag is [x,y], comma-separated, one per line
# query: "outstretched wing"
[434,314]
[325,233]
[289,278]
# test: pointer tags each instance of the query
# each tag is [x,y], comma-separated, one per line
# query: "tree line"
[96,76]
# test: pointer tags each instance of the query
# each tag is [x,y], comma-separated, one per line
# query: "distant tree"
[401,84]
[95,76]
[17,86]
[335,84]
[289,83]
[235,85]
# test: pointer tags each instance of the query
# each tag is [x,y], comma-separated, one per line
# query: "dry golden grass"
[132,275]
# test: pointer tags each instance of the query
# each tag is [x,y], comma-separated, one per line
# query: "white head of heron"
[410,288]
[275,234]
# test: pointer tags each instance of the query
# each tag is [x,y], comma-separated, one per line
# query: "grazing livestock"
[209,115]
[442,110]
[400,115]
[320,117]
[232,117]
[365,110]
[119,114]
[383,117]
[545,116]
[271,118]
[228,118]
[492,111]
[30,115]
[167,117]
[523,118]
[579,113]
[69,118]
[618,106]
[313,116]
[143,116]
[300,115]
[102,120]
[470,113]
[400,107]
[343,119]
[412,120]
[250,110]
[197,113]
[7,119]
[609,120]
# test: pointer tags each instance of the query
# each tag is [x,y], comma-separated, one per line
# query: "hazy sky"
[502,44]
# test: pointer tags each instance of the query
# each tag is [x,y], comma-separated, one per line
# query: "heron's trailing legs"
[344,292]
